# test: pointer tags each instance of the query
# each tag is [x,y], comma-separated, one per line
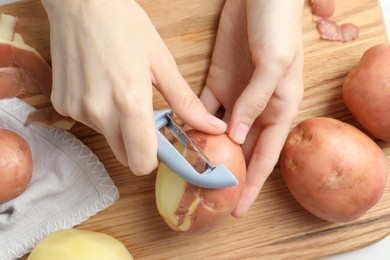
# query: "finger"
[140,141]
[114,139]
[252,101]
[264,158]
[210,100]
[183,100]
[137,127]
[129,127]
[272,137]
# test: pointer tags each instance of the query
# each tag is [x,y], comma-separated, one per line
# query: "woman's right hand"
[106,57]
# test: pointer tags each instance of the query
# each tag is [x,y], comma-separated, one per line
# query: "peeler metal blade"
[205,175]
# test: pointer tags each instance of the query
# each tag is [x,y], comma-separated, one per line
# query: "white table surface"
[381,249]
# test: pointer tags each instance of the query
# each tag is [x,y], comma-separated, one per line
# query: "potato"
[323,8]
[24,69]
[366,91]
[15,165]
[333,170]
[189,209]
[78,244]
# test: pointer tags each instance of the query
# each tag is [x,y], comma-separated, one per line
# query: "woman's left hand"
[256,74]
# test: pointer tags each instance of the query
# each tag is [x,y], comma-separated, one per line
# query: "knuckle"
[127,101]
[255,105]
[90,111]
[283,59]
[189,101]
[59,105]
[123,99]
[278,58]
[141,168]
[60,108]
[142,155]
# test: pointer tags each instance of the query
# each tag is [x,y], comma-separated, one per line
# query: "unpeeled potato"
[15,165]
[333,170]
[76,244]
[323,8]
[366,91]
[189,209]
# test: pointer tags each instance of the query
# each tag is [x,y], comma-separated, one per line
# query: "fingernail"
[240,133]
[215,122]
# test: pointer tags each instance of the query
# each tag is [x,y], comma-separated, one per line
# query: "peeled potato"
[189,209]
[77,244]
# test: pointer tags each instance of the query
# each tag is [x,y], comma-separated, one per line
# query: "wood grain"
[276,227]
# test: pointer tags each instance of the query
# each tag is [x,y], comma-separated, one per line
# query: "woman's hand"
[256,75]
[106,57]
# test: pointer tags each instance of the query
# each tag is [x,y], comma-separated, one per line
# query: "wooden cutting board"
[276,227]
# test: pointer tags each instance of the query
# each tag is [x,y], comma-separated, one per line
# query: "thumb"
[252,102]
[184,102]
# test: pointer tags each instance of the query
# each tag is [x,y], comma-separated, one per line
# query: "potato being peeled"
[333,170]
[366,91]
[15,165]
[190,209]
[78,244]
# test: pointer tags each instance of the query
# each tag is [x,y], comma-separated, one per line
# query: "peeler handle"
[219,177]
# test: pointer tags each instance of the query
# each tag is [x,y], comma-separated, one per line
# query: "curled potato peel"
[22,68]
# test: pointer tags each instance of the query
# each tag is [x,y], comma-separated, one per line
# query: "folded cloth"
[69,184]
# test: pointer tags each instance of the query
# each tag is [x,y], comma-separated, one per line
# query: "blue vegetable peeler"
[212,176]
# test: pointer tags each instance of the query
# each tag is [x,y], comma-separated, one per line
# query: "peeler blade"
[193,150]
[204,174]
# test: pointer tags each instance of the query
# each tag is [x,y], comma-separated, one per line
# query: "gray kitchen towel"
[69,184]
